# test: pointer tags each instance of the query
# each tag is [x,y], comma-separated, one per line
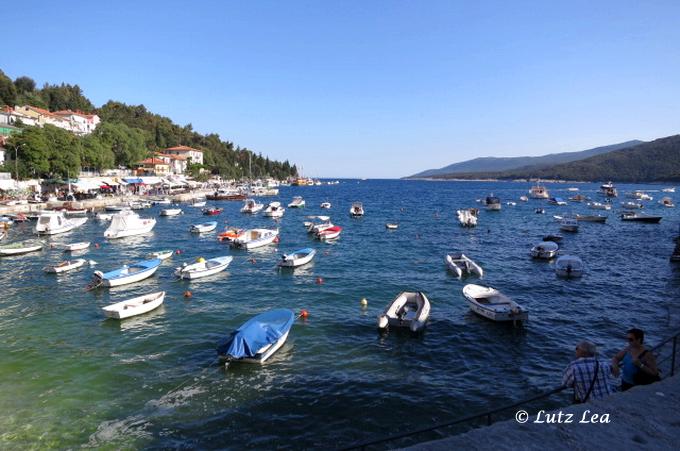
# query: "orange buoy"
[178,252]
[304,313]
[319,280]
[96,245]
[187,294]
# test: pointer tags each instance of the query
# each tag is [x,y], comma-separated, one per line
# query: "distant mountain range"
[494,164]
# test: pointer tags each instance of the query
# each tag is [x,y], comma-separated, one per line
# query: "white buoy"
[363,302]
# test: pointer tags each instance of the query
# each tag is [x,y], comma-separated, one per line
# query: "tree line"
[126,135]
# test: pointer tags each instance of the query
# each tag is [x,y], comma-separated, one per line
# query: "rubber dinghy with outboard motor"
[460,264]
[204,227]
[203,267]
[21,247]
[134,306]
[258,338]
[127,274]
[409,309]
[492,304]
[297,258]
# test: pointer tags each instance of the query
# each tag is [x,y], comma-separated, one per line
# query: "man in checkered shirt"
[580,374]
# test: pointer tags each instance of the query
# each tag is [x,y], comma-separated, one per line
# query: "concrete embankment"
[646,417]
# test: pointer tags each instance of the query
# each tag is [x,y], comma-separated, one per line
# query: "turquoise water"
[68,377]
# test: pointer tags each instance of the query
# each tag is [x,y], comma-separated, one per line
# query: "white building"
[191,154]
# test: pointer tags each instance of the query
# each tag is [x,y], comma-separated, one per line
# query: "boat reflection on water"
[148,323]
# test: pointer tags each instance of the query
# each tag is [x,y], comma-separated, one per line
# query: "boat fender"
[382,322]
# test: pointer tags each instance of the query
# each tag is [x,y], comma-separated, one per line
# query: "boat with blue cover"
[258,338]
[127,274]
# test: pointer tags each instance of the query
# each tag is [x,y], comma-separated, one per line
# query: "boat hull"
[135,306]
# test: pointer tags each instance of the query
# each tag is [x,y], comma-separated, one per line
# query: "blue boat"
[557,201]
[128,273]
[258,338]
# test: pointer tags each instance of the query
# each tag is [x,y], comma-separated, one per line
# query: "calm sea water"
[68,377]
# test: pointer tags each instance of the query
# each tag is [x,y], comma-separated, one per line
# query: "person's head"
[635,336]
[586,349]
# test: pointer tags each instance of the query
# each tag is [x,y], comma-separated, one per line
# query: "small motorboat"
[569,224]
[523,198]
[331,233]
[214,211]
[54,222]
[573,189]
[545,250]
[467,217]
[591,218]
[75,211]
[460,265]
[539,211]
[127,274]
[409,310]
[274,210]
[128,223]
[134,306]
[608,190]
[667,202]
[204,227]
[230,234]
[511,204]
[492,304]
[599,206]
[139,205]
[539,191]
[198,204]
[317,223]
[297,258]
[391,226]
[162,254]
[357,209]
[632,205]
[250,206]
[493,203]
[553,238]
[203,267]
[557,201]
[297,202]
[569,266]
[578,198]
[163,201]
[21,247]
[253,238]
[103,216]
[639,217]
[258,338]
[64,266]
[668,190]
[116,208]
[171,211]
[325,205]
[77,246]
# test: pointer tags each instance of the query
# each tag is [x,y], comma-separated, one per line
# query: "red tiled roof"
[40,110]
[182,149]
[77,113]
[152,161]
[172,157]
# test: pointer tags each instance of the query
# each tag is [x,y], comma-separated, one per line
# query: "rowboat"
[204,227]
[230,234]
[330,233]
[64,266]
[492,304]
[591,218]
[460,264]
[21,247]
[203,267]
[409,309]
[258,338]
[253,238]
[171,211]
[212,211]
[545,250]
[161,255]
[134,306]
[569,266]
[297,258]
[77,246]
[127,274]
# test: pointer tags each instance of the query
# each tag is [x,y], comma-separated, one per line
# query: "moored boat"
[632,205]
[391,226]
[226,194]
[460,264]
[599,206]
[198,204]
[127,274]
[557,201]
[569,266]
[203,267]
[171,211]
[325,205]
[493,203]
[204,227]
[162,254]
[330,233]
[230,234]
[592,218]
[545,250]
[64,266]
[317,223]
[213,211]
[253,238]
[492,304]
[274,210]
[408,310]
[608,190]
[77,246]
[553,237]
[297,258]
[568,224]
[134,306]
[21,247]
[250,206]
[54,222]
[297,202]
[640,217]
[128,223]
[357,209]
[578,198]
[539,191]
[667,202]
[467,217]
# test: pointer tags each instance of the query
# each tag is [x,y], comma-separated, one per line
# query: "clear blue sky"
[369,88]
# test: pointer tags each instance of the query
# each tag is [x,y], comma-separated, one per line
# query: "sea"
[71,378]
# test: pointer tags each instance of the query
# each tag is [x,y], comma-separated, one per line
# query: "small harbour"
[69,377]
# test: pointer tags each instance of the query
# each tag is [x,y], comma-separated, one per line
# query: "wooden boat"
[297,202]
[460,264]
[134,306]
[331,233]
[127,274]
[77,246]
[569,266]
[297,258]
[492,304]
[545,250]
[409,309]
[391,226]
[274,210]
[171,211]
[251,207]
[204,227]
[21,247]
[569,225]
[214,211]
[64,266]
[203,267]
[591,218]
[258,338]
[230,234]
[639,217]
[128,223]
[162,254]
[357,209]
[253,238]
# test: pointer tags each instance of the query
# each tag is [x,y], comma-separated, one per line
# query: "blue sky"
[369,88]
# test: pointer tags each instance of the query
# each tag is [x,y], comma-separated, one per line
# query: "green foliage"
[128,145]
[24,84]
[8,92]
[65,97]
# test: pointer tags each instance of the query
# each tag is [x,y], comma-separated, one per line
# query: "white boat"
[330,233]
[545,250]
[161,255]
[569,224]
[54,222]
[591,218]
[21,247]
[163,201]
[297,202]
[318,223]
[139,204]
[391,226]
[569,266]
[104,216]
[171,211]
[608,190]
[493,203]
[460,264]
[669,190]
[77,246]
[253,238]
[357,209]
[467,217]
[199,204]
[251,207]
[667,202]
[492,304]
[203,267]
[632,205]
[128,223]
[539,191]
[66,265]
[204,227]
[523,198]
[297,258]
[134,306]
[572,189]
[639,195]
[127,274]
[116,208]
[325,205]
[274,210]
[409,309]
[599,206]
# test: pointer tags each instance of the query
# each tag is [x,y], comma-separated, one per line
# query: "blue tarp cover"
[261,330]
[133,180]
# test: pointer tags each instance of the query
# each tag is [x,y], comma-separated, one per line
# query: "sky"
[376,89]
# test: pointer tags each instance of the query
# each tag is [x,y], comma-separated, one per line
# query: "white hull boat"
[492,304]
[569,266]
[64,266]
[569,225]
[128,223]
[599,206]
[134,306]
[467,217]
[161,255]
[171,211]
[20,247]
[203,268]
[318,223]
[297,258]
[253,238]
[55,222]
[298,202]
[274,210]
[545,250]
[104,216]
[199,204]
[632,205]
[539,192]
[251,207]
[409,310]
[77,246]
[330,233]
[127,274]
[460,264]
[667,202]
[326,205]
[357,209]
[203,228]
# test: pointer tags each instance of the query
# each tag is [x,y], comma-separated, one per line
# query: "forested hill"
[653,161]
[126,135]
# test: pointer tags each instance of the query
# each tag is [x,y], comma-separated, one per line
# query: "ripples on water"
[71,378]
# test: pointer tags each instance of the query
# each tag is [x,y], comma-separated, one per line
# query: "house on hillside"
[79,122]
[153,166]
[193,155]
